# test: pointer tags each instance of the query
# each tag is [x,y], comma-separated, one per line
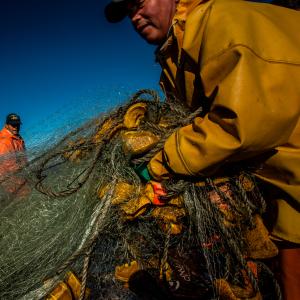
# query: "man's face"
[152,18]
[14,129]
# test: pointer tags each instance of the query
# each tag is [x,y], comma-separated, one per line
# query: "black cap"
[13,119]
[116,10]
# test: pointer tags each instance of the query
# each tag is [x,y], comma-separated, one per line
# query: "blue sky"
[61,57]
[60,61]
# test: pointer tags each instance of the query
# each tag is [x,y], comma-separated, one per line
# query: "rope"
[136,96]
[167,132]
[173,190]
[85,272]
[165,252]
[146,158]
[192,116]
[275,282]
[47,191]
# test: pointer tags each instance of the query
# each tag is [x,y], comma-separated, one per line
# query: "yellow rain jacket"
[244,57]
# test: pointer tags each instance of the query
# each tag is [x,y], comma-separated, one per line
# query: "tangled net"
[81,207]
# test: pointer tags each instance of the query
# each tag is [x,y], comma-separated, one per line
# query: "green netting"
[57,222]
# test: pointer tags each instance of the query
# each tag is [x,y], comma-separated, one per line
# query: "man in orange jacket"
[12,152]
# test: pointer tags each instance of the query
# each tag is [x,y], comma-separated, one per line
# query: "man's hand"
[158,190]
[153,189]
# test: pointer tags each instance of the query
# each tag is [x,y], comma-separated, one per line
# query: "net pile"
[81,207]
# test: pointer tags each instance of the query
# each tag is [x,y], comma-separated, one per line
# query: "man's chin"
[150,39]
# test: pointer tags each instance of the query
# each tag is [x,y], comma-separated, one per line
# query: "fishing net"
[80,208]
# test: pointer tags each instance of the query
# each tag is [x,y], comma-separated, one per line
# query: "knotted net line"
[65,217]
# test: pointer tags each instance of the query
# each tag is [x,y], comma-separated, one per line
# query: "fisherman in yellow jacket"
[240,61]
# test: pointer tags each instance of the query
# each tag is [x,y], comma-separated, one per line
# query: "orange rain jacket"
[12,158]
[244,57]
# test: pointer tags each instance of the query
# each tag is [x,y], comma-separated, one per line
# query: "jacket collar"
[176,31]
[6,133]
[184,7]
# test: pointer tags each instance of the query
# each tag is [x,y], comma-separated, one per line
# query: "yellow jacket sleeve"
[254,109]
